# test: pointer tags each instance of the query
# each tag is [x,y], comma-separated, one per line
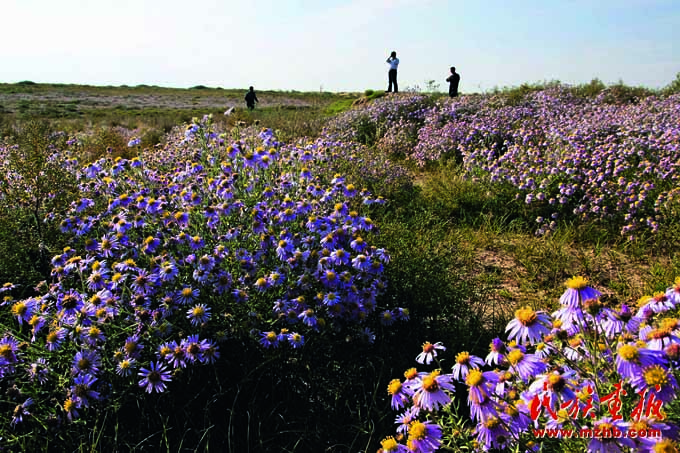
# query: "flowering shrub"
[176,252]
[368,124]
[594,376]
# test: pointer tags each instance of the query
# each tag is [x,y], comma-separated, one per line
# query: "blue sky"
[336,45]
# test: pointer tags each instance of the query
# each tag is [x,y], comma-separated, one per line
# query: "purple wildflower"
[198,314]
[154,378]
[464,363]
[528,325]
[81,390]
[429,352]
[428,392]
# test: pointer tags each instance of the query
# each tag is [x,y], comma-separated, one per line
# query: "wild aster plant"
[176,251]
[609,383]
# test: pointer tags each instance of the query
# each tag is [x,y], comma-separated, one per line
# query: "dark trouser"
[392,77]
[251,105]
[453,93]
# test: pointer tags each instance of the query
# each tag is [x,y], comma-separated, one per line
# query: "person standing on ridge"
[454,80]
[393,61]
[251,98]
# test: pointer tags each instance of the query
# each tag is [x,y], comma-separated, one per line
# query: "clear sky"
[338,45]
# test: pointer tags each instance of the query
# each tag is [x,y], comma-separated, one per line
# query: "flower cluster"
[587,366]
[381,115]
[186,246]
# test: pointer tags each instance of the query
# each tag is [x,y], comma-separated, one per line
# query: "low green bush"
[32,186]
[674,86]
[106,142]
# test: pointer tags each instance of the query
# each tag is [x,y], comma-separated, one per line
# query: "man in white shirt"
[393,61]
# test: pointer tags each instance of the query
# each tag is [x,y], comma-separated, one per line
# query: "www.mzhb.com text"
[596,433]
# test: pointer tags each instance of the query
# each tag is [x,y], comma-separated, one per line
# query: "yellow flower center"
[526,316]
[6,351]
[271,336]
[639,425]
[629,353]
[577,283]
[669,323]
[665,446]
[417,430]
[130,346]
[411,373]
[575,342]
[659,296]
[428,347]
[463,358]
[515,356]
[69,405]
[605,427]
[491,422]
[584,395]
[389,444]
[430,382]
[563,415]
[94,332]
[474,377]
[69,301]
[556,382]
[394,386]
[198,311]
[656,375]
[84,364]
[660,333]
[19,309]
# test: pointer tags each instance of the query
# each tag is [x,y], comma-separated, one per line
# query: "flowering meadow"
[565,157]
[176,253]
[225,289]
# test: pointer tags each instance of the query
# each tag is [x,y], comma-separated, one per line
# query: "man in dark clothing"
[251,98]
[393,61]
[453,80]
